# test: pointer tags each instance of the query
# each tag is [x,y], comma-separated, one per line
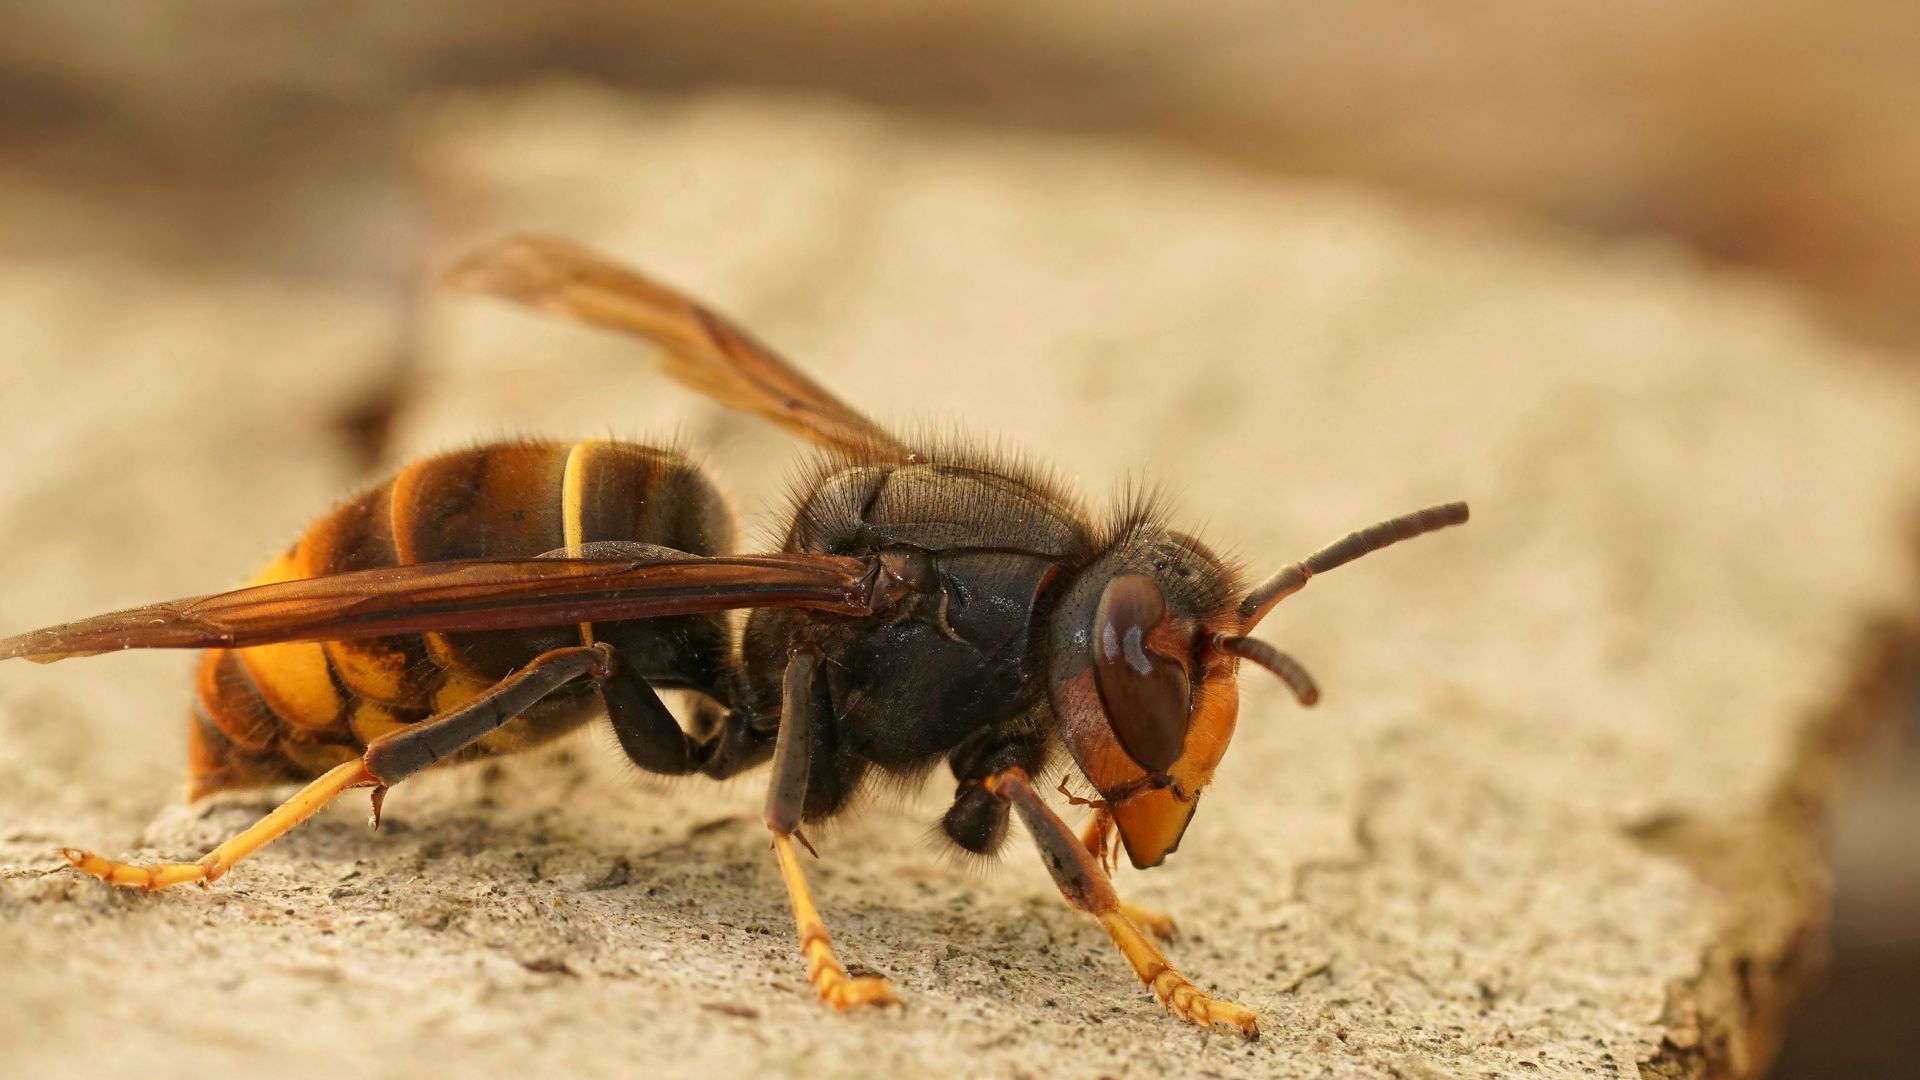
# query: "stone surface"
[1555,797]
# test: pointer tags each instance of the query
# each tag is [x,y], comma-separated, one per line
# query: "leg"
[1098,840]
[282,820]
[647,732]
[785,798]
[977,820]
[387,761]
[723,744]
[1087,888]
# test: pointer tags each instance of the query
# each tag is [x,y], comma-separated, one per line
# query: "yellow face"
[1152,821]
[1145,699]
[1146,644]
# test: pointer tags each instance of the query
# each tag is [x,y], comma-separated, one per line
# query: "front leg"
[1100,843]
[1087,888]
[977,820]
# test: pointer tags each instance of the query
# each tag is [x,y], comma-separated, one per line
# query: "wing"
[700,348]
[469,594]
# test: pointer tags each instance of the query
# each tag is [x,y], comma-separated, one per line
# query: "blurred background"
[1765,137]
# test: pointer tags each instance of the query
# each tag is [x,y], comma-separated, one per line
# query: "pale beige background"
[1560,788]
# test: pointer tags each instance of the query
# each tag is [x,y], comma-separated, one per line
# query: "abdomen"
[278,713]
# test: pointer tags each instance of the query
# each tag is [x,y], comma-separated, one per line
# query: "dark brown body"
[946,672]
[276,713]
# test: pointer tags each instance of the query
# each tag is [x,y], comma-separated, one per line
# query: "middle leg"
[786,798]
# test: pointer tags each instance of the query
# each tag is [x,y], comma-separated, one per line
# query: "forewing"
[698,347]
[475,594]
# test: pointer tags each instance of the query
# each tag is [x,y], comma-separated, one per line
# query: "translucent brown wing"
[700,348]
[471,594]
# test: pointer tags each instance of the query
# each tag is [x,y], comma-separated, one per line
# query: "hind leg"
[284,817]
[387,761]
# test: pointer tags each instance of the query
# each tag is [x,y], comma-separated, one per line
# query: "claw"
[1177,993]
[858,992]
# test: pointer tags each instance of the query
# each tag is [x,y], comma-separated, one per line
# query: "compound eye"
[1146,693]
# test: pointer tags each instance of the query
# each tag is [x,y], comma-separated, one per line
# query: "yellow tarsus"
[829,979]
[1174,990]
[303,805]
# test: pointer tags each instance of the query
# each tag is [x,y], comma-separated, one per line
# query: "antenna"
[1292,577]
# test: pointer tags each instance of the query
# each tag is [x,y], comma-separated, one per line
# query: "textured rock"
[1550,819]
